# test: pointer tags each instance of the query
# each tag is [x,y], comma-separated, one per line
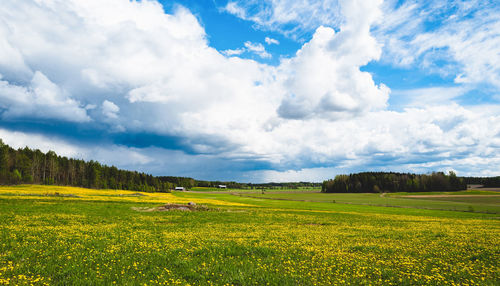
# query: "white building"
[222,187]
[179,188]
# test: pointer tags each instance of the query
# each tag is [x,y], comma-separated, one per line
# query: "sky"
[255,91]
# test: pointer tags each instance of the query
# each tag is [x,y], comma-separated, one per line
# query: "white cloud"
[234,52]
[292,18]
[394,140]
[458,39]
[255,48]
[157,71]
[11,59]
[467,38]
[258,49]
[414,140]
[41,99]
[324,78]
[110,110]
[125,157]
[422,97]
[271,41]
[235,9]
[17,139]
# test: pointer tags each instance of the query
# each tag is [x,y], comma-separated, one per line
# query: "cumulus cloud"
[40,99]
[110,110]
[157,69]
[324,76]
[394,140]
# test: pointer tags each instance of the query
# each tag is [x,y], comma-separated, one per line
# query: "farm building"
[179,188]
[222,187]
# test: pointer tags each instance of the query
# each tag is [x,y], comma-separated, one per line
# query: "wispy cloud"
[234,52]
[291,18]
[456,38]
[258,49]
[249,47]
[427,96]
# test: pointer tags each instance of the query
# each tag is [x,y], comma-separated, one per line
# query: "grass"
[473,200]
[465,192]
[206,189]
[266,190]
[478,202]
[98,239]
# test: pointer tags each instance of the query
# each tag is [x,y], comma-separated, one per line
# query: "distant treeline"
[487,182]
[374,182]
[27,166]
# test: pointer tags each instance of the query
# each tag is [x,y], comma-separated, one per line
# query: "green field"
[63,235]
[206,189]
[256,190]
[488,202]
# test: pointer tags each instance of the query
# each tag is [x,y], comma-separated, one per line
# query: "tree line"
[374,182]
[26,166]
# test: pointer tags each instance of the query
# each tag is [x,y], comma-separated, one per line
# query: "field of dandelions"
[73,236]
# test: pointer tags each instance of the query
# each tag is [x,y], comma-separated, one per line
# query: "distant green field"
[205,189]
[255,190]
[465,192]
[474,200]
[74,236]
[480,202]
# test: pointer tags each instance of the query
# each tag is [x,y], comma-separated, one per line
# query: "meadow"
[473,200]
[257,190]
[63,235]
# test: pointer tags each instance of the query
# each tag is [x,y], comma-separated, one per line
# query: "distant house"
[179,188]
[222,187]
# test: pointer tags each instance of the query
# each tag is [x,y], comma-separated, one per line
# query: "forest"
[26,166]
[375,182]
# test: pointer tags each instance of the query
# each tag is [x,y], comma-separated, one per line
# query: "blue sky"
[255,91]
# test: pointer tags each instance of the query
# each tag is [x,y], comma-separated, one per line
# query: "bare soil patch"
[173,207]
